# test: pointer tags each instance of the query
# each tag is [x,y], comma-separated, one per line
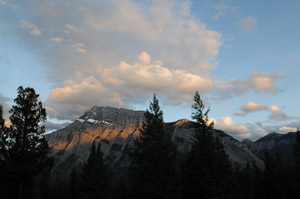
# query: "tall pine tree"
[297,155]
[297,162]
[25,148]
[152,161]
[4,180]
[2,121]
[96,176]
[207,171]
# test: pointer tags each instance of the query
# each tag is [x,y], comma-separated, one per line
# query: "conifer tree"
[207,171]
[297,155]
[2,137]
[2,121]
[297,163]
[152,161]
[4,181]
[96,177]
[25,148]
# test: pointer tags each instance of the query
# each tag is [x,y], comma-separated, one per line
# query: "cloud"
[57,39]
[3,2]
[251,107]
[257,82]
[118,30]
[240,114]
[32,28]
[221,8]
[278,115]
[239,130]
[247,24]
[76,97]
[257,131]
[92,51]
[235,129]
[79,47]
[286,129]
[50,126]
[126,80]
[73,28]
[154,76]
[263,82]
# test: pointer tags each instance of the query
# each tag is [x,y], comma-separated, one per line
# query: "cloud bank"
[118,52]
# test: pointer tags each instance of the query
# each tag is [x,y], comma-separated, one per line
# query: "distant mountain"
[116,129]
[274,143]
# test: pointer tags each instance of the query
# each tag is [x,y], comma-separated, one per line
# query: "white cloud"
[257,131]
[286,129]
[50,126]
[257,81]
[144,57]
[235,129]
[76,97]
[73,28]
[79,47]
[247,24]
[221,9]
[57,39]
[251,107]
[156,77]
[277,114]
[263,82]
[102,40]
[3,2]
[35,32]
[127,80]
[32,28]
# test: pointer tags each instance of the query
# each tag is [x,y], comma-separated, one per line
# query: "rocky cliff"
[116,129]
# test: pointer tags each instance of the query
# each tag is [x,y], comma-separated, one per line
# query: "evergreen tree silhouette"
[96,177]
[24,148]
[297,156]
[207,171]
[5,182]
[152,169]
[2,121]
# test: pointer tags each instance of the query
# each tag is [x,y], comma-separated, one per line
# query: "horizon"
[242,57]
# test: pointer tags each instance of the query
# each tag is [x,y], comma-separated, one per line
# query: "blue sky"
[242,56]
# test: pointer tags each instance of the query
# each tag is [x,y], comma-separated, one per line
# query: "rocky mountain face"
[274,143]
[116,129]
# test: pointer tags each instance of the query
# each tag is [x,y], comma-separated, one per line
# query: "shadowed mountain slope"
[274,143]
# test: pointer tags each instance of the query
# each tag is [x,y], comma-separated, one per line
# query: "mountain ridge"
[116,129]
[274,143]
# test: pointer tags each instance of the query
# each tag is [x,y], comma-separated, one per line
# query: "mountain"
[116,129]
[274,143]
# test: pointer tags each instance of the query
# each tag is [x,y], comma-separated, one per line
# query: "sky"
[242,57]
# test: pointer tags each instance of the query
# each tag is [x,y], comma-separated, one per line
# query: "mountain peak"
[111,115]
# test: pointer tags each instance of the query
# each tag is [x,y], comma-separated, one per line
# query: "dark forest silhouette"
[155,171]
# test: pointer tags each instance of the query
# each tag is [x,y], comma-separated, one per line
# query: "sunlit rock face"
[116,129]
[274,143]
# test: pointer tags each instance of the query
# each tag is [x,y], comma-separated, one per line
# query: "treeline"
[156,169]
